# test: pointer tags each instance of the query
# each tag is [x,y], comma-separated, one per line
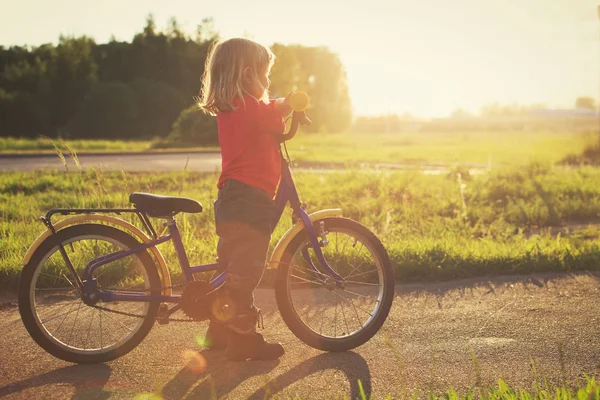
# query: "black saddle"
[163,206]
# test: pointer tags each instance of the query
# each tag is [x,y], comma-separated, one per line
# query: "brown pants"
[244,217]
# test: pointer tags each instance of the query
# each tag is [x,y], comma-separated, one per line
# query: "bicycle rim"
[328,311]
[61,315]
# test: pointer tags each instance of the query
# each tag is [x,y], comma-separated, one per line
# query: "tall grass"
[10,144]
[434,227]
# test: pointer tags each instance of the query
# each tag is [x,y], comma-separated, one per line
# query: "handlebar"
[298,118]
[299,102]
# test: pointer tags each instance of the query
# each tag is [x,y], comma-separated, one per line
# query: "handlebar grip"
[299,101]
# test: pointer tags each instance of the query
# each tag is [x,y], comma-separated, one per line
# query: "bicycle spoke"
[364,283]
[54,289]
[65,317]
[119,322]
[335,321]
[309,269]
[344,315]
[57,316]
[357,294]
[100,311]
[304,281]
[351,302]
[353,269]
[89,328]
[74,321]
[55,276]
[343,250]
[359,274]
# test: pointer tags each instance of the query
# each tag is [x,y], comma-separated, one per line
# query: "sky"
[424,57]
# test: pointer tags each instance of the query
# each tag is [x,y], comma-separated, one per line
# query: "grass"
[432,147]
[44,144]
[434,227]
[589,156]
[496,148]
[586,388]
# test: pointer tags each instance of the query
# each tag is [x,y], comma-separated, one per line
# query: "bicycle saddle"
[163,206]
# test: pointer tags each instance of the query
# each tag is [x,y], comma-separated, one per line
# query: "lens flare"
[201,340]
[223,308]
[193,361]
[147,396]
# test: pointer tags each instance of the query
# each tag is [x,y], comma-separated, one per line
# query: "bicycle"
[91,292]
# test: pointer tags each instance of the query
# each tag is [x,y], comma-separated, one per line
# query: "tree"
[108,112]
[194,128]
[71,75]
[159,105]
[139,88]
[320,73]
[585,102]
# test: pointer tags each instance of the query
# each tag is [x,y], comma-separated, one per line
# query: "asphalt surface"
[129,162]
[463,334]
[194,161]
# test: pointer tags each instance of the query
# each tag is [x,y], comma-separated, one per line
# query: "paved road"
[202,162]
[456,334]
[196,161]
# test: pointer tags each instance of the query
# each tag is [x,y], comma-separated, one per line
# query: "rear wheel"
[322,315]
[50,300]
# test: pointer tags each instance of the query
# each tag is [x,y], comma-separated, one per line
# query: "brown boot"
[216,336]
[244,343]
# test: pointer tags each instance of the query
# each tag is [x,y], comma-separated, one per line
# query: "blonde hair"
[223,78]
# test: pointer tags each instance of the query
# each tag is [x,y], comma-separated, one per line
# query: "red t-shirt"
[249,146]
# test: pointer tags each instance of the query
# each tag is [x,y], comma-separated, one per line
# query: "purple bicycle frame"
[285,192]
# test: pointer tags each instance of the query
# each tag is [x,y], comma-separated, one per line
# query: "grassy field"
[434,227]
[431,147]
[43,144]
[407,148]
[525,213]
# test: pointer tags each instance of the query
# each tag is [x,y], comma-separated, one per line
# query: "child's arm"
[282,105]
[269,116]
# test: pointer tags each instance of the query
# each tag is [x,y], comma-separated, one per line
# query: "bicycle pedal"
[162,317]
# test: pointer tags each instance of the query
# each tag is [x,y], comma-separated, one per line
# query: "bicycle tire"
[290,313]
[27,295]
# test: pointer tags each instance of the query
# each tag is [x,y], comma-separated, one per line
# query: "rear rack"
[68,211]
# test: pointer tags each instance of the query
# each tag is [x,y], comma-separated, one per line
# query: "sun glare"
[426,58]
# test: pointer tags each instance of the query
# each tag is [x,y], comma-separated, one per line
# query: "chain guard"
[196,301]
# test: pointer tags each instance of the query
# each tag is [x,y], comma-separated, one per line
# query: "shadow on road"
[88,380]
[353,365]
[222,376]
[219,377]
[491,284]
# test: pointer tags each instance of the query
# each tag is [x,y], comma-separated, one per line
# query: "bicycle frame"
[286,192]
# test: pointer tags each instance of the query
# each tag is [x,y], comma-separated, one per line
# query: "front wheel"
[51,305]
[318,312]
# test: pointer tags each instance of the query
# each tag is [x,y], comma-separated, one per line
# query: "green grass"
[43,144]
[512,148]
[432,147]
[585,389]
[434,227]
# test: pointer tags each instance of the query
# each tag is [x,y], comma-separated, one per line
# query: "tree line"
[139,89]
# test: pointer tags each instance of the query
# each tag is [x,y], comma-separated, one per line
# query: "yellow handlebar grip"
[299,101]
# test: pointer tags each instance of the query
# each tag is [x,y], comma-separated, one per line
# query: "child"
[234,87]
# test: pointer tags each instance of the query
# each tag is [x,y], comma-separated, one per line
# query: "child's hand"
[282,105]
[287,98]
